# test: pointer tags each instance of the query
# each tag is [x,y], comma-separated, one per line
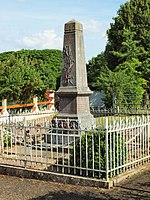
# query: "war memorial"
[74,91]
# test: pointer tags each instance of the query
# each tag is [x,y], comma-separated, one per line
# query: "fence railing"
[99,111]
[35,107]
[59,145]
[127,143]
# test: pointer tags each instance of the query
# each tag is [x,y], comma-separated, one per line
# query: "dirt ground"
[13,188]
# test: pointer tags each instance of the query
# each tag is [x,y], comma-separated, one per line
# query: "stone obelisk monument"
[74,91]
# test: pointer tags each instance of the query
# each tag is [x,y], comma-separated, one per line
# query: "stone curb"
[50,176]
[70,179]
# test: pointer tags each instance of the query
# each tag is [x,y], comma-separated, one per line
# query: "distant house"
[96,99]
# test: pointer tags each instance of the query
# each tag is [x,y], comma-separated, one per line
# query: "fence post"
[35,108]
[4,108]
[106,148]
[51,99]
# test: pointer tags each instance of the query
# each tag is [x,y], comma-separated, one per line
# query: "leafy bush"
[6,139]
[90,153]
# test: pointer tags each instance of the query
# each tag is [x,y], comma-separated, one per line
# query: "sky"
[39,24]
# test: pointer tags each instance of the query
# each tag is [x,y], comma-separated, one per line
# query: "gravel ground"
[14,188]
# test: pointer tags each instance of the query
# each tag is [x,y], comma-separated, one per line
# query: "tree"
[134,16]
[28,73]
[125,81]
[119,87]
[95,67]
[126,55]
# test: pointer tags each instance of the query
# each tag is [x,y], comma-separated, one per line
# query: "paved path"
[13,188]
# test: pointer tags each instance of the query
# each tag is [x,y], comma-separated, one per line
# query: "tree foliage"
[133,16]
[126,57]
[119,87]
[95,67]
[27,73]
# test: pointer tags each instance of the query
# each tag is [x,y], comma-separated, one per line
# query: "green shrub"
[6,139]
[93,155]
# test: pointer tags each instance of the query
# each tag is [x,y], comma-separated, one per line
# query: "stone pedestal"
[74,91]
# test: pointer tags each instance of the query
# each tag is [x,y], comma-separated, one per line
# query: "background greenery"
[26,73]
[123,69]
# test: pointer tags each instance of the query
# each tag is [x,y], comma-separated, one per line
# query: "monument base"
[86,121]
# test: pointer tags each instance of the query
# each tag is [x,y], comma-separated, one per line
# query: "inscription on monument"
[68,62]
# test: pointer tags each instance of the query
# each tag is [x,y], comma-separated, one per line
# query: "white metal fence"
[117,145]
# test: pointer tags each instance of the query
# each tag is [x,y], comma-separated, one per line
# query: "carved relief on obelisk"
[68,63]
